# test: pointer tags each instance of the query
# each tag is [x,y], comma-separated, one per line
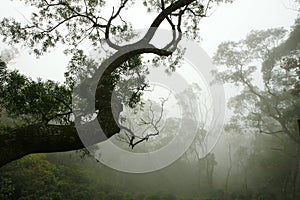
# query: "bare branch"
[152,123]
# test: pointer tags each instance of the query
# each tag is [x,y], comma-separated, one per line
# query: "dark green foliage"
[33,177]
[34,101]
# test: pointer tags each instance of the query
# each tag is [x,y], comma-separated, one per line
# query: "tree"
[197,114]
[74,22]
[269,105]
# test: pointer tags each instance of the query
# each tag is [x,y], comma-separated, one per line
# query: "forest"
[142,113]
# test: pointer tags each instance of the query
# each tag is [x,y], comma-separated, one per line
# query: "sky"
[226,22]
[234,21]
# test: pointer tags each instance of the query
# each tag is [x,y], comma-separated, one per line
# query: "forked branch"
[152,122]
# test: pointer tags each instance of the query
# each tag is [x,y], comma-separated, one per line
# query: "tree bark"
[37,139]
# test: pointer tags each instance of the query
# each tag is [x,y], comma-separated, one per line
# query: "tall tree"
[71,22]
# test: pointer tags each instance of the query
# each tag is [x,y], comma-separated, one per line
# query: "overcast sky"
[227,22]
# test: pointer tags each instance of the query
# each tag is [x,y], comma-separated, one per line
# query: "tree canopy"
[269,105]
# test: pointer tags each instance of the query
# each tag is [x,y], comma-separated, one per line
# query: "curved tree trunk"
[40,138]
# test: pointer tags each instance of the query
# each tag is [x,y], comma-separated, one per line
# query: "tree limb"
[55,138]
[37,138]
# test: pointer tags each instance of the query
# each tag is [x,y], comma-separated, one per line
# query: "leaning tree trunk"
[41,138]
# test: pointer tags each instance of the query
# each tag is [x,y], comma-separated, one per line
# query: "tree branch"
[113,16]
[152,123]
[162,16]
[38,138]
[53,138]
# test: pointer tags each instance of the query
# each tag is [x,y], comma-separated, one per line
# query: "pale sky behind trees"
[226,22]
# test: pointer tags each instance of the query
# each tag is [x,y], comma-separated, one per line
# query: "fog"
[189,127]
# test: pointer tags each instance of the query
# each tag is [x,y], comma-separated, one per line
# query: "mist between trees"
[256,157]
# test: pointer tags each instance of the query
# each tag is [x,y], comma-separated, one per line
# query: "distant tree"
[196,109]
[268,105]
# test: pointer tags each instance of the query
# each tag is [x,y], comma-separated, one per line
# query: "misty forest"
[170,145]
